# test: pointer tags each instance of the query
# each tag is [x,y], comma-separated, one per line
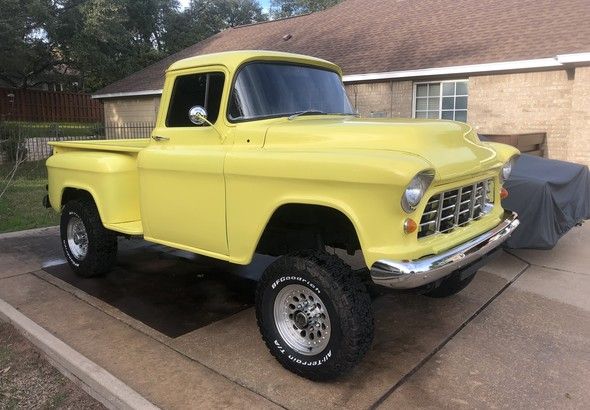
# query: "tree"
[97,42]
[28,54]
[288,8]
[101,41]
[204,18]
[147,20]
[106,40]
[239,12]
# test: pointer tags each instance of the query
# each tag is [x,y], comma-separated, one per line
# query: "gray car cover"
[550,198]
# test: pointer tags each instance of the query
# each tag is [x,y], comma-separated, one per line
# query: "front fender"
[366,186]
[503,151]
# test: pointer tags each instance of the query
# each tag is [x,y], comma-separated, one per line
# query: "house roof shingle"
[391,35]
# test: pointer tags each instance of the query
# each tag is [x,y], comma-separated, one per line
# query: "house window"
[445,100]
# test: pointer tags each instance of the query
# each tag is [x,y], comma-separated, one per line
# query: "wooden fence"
[48,106]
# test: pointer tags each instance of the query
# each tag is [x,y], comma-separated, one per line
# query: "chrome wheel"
[77,238]
[302,320]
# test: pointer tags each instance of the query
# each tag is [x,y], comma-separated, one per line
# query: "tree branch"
[8,80]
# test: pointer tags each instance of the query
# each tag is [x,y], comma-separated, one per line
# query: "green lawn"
[21,207]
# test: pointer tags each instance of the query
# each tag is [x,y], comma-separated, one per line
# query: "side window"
[195,89]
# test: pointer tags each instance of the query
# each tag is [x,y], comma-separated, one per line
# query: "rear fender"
[110,178]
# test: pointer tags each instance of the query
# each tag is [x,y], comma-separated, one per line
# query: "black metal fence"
[23,175]
[25,142]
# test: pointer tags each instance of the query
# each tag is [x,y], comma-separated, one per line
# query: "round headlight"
[416,189]
[506,170]
[414,192]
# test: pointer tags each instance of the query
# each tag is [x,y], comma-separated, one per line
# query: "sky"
[263,3]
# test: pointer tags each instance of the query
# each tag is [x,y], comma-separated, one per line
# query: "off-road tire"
[102,243]
[449,286]
[344,297]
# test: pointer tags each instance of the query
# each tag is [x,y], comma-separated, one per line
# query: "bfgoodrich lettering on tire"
[90,249]
[314,314]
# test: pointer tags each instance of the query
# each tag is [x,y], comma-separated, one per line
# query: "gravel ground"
[28,381]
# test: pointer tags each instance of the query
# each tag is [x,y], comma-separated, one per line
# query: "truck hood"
[453,148]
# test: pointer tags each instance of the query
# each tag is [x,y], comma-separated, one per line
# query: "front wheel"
[314,314]
[89,247]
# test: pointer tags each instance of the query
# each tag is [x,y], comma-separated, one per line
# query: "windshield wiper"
[306,112]
[297,114]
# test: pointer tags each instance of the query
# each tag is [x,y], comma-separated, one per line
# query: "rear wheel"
[89,247]
[314,314]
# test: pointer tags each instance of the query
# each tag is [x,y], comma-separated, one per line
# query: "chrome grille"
[457,207]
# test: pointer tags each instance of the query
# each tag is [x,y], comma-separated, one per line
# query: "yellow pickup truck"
[261,152]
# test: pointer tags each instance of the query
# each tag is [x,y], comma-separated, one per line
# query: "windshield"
[264,90]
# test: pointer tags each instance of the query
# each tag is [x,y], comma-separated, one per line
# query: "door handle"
[158,138]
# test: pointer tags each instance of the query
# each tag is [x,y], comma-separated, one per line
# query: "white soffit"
[573,58]
[553,62]
[128,94]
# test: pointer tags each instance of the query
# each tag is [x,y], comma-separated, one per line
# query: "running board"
[127,228]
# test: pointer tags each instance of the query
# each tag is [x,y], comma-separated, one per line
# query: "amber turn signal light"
[410,225]
[503,193]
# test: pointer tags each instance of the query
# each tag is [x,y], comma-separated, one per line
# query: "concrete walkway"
[518,337]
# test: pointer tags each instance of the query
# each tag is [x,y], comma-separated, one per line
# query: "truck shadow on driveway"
[174,292]
[168,291]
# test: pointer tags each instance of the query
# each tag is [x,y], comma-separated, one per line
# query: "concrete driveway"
[181,331]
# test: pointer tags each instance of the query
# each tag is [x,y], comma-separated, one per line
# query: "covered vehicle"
[550,198]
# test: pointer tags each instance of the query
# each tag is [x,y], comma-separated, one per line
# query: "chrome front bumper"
[413,274]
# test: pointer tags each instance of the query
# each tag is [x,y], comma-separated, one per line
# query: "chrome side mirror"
[198,115]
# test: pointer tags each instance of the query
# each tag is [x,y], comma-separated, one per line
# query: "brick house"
[504,66]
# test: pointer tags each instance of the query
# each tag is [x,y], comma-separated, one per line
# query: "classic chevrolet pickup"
[261,152]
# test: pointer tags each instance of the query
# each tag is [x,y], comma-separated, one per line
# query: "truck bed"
[107,169]
[124,145]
